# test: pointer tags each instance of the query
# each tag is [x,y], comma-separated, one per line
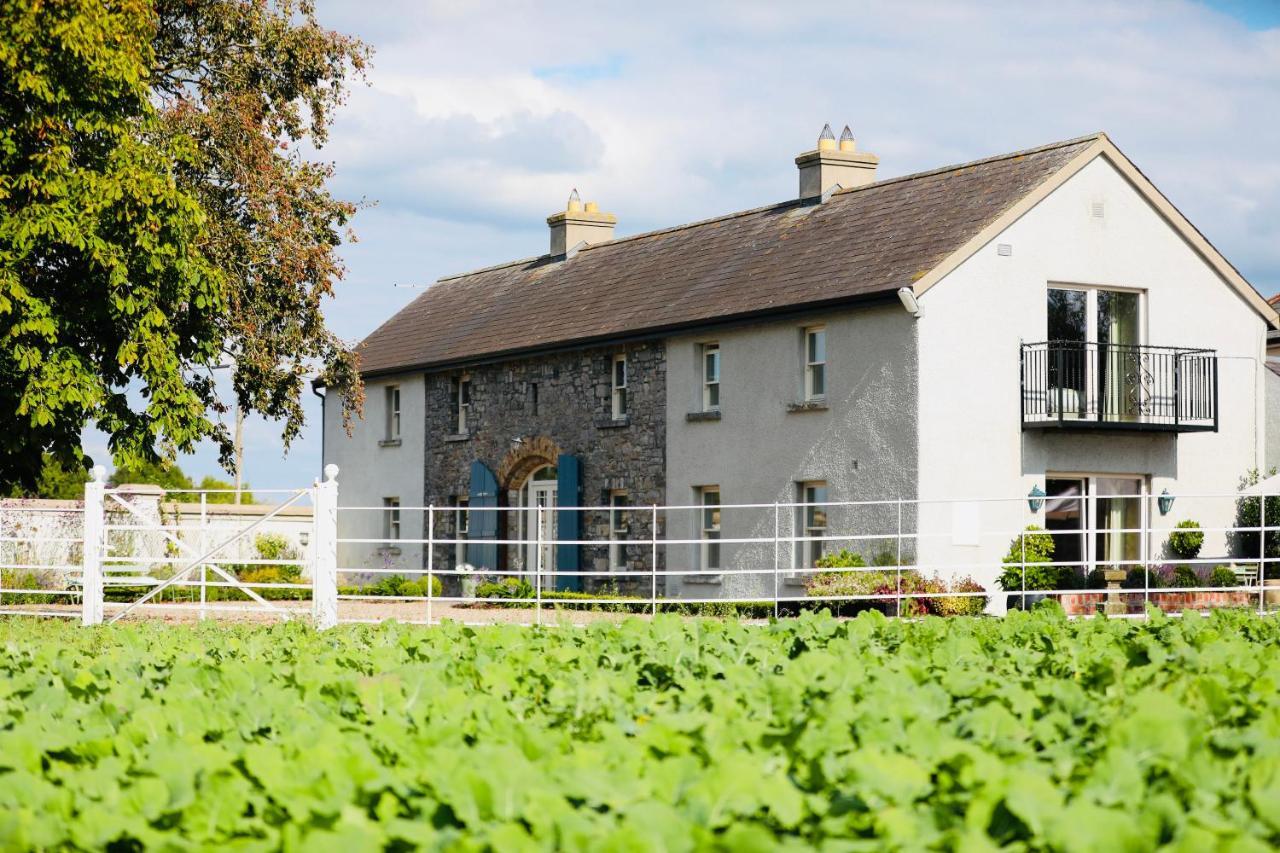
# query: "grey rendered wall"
[863,444]
[1273,418]
[371,469]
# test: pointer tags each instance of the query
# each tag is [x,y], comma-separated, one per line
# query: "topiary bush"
[1038,556]
[1185,576]
[1186,540]
[1221,576]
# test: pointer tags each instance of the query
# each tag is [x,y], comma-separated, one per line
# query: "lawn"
[677,734]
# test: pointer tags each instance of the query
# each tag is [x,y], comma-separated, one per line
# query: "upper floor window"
[533,398]
[462,403]
[815,363]
[709,498]
[391,519]
[393,412]
[813,517]
[711,377]
[618,503]
[619,386]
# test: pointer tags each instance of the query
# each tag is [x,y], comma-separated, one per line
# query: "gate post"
[324,556]
[94,540]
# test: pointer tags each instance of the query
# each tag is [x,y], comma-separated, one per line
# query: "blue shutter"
[482,545]
[568,524]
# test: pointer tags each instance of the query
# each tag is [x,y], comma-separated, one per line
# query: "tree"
[252,84]
[166,476]
[221,493]
[104,287]
[157,221]
[56,481]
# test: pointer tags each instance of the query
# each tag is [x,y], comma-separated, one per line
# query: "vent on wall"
[1004,250]
[1097,210]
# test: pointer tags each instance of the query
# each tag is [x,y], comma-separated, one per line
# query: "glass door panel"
[1068,312]
[1064,518]
[1117,521]
[1120,362]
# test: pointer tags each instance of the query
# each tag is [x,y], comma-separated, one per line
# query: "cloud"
[479,117]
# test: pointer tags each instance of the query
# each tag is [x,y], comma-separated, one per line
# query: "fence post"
[1262,552]
[94,540]
[431,560]
[324,555]
[775,559]
[537,564]
[653,563]
[204,546]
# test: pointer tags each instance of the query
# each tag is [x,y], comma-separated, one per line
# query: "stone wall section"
[513,435]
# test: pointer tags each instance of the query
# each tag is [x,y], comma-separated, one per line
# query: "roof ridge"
[724,217]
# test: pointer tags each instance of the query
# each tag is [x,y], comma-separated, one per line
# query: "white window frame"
[1089,506]
[391,521]
[618,380]
[618,529]
[711,383]
[810,551]
[393,412]
[463,403]
[815,369]
[710,552]
[461,528]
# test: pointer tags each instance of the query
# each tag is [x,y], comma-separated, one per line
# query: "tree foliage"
[157,220]
[171,476]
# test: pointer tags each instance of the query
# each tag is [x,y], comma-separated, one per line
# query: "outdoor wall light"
[1165,502]
[1035,498]
[907,297]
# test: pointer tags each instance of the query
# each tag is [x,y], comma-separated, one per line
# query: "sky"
[477,119]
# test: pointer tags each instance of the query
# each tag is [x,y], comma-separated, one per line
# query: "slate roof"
[861,243]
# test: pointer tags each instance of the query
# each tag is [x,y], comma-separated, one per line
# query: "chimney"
[578,224]
[831,164]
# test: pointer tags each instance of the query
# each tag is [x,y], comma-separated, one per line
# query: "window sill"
[389,551]
[457,436]
[809,406]
[704,580]
[613,423]
[389,442]
[697,417]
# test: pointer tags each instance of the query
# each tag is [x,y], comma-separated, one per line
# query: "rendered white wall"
[971,442]
[369,472]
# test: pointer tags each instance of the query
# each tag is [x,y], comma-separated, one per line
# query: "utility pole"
[238,442]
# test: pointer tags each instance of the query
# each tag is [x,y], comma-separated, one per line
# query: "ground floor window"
[812,513]
[618,503]
[1095,521]
[461,525]
[709,551]
[390,519]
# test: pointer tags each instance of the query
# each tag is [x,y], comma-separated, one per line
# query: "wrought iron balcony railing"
[1074,385]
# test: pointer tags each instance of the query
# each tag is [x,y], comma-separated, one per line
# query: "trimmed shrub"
[1038,552]
[1223,576]
[1186,540]
[1185,576]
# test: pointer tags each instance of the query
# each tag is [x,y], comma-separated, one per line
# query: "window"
[617,530]
[619,387]
[461,527]
[709,498]
[1095,521]
[533,398]
[711,377]
[391,519]
[393,412]
[462,403]
[815,363]
[813,523]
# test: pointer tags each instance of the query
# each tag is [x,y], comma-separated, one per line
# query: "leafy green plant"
[1186,540]
[1186,576]
[673,734]
[1223,576]
[1034,548]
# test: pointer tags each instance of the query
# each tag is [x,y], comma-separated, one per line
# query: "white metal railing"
[914,558]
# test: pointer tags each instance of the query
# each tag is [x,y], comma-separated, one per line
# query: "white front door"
[540,522]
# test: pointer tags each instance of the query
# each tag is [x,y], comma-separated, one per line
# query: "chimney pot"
[846,139]
[826,139]
[592,207]
[575,201]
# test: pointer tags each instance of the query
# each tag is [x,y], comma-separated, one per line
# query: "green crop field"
[1029,731]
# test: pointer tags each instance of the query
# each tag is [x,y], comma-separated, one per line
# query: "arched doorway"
[538,523]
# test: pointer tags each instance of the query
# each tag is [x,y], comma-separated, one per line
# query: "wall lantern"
[1035,498]
[1165,502]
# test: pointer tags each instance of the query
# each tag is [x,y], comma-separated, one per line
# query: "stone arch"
[525,458]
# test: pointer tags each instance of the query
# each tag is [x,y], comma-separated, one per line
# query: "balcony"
[1091,386]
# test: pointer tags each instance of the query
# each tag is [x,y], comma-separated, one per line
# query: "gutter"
[318,388]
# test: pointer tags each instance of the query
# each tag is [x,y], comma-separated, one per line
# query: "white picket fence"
[764,561]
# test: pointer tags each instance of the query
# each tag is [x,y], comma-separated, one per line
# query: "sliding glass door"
[1095,522]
